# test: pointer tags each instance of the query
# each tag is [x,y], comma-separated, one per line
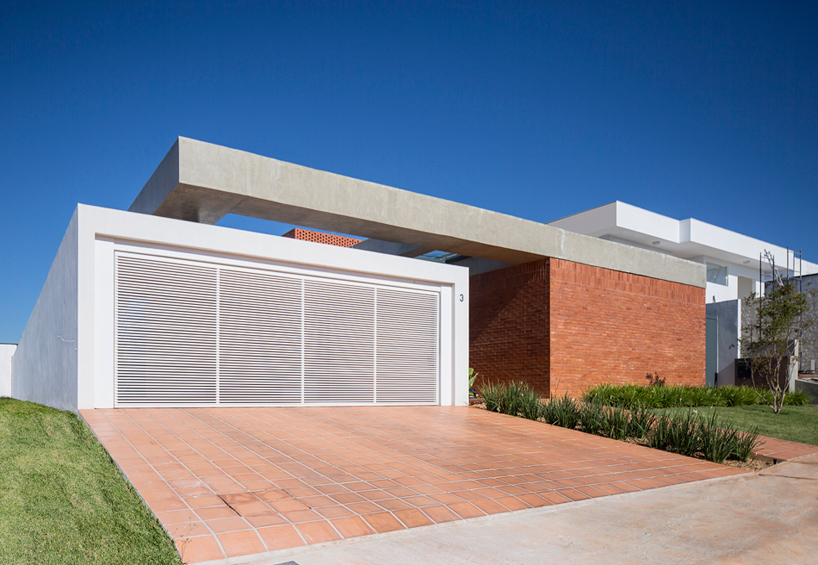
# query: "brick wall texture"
[563,327]
[509,325]
[320,237]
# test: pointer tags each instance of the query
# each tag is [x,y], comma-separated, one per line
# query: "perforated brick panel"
[319,237]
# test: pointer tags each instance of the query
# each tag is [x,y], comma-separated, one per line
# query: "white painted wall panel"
[71,339]
[44,366]
[6,353]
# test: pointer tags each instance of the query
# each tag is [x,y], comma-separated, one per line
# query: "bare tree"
[770,335]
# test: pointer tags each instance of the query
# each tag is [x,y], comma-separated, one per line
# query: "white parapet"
[6,353]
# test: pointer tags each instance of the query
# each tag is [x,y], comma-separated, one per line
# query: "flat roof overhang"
[203,182]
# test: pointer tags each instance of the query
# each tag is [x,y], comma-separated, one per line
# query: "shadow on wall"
[509,325]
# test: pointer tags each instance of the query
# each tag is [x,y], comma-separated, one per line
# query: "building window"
[717,274]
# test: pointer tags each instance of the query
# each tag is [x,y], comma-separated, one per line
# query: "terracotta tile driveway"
[237,481]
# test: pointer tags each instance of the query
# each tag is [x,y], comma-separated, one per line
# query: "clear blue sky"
[543,109]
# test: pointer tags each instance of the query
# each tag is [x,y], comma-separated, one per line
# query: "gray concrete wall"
[808,387]
[44,366]
[729,320]
[809,336]
[748,314]
[6,351]
[202,182]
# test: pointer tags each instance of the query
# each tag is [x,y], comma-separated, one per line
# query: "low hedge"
[630,396]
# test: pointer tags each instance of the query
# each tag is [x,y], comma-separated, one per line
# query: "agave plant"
[472,377]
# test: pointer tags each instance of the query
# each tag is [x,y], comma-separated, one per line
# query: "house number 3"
[461,298]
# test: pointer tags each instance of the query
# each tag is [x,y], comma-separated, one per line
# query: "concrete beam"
[203,182]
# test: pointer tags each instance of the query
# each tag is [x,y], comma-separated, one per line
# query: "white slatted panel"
[407,347]
[339,348]
[165,332]
[189,333]
[260,338]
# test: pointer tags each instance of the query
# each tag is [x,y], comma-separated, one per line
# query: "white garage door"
[201,334]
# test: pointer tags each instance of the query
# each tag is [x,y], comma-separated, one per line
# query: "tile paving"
[227,482]
[784,450]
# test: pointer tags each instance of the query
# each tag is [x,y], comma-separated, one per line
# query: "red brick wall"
[508,328]
[564,326]
[320,237]
[609,326]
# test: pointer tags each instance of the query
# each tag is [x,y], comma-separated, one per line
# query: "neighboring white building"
[732,259]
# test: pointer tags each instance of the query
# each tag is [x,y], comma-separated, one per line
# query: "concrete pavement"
[771,517]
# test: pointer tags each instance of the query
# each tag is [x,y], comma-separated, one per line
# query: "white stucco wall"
[688,239]
[65,358]
[44,367]
[6,352]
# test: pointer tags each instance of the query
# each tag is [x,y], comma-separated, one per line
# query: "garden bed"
[691,433]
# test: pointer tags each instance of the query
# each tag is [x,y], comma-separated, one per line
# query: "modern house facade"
[140,310]
[158,307]
[735,267]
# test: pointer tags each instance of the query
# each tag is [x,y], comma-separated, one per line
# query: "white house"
[140,310]
[155,306]
[732,259]
[735,266]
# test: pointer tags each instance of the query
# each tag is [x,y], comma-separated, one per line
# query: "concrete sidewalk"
[771,517]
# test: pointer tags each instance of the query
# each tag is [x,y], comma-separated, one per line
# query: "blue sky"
[540,110]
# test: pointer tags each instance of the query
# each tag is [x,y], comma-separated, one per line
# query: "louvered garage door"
[190,333]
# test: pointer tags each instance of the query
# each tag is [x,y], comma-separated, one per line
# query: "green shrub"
[716,442]
[746,444]
[737,395]
[615,422]
[676,433]
[631,396]
[591,417]
[659,437]
[689,434]
[618,412]
[515,399]
[529,404]
[797,398]
[563,412]
[492,395]
[641,422]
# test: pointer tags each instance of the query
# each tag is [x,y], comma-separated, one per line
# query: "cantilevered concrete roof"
[202,182]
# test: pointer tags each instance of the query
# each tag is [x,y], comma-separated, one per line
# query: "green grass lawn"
[62,499]
[795,423]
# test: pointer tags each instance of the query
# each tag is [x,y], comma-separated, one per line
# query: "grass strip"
[62,499]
